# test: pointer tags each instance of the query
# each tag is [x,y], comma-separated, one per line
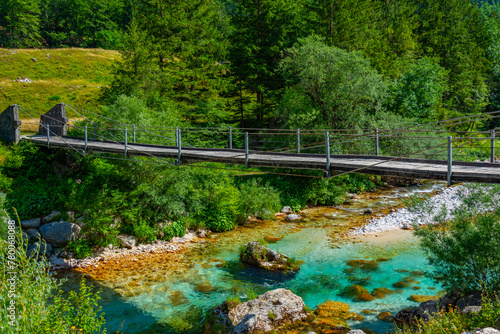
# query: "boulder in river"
[260,256]
[266,313]
[293,217]
[59,233]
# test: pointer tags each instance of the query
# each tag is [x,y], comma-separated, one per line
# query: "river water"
[172,293]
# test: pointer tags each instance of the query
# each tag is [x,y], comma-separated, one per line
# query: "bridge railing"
[427,142]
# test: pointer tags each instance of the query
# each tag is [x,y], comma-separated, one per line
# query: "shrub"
[258,200]
[175,229]
[465,251]
[81,248]
[38,310]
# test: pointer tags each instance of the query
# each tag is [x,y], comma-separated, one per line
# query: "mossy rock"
[177,298]
[365,297]
[332,309]
[205,287]
[358,317]
[359,293]
[422,298]
[271,239]
[385,316]
[359,280]
[367,265]
[402,284]
[382,292]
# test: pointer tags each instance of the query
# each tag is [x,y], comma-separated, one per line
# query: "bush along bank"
[462,247]
[105,202]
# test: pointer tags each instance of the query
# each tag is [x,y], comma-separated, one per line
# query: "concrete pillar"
[10,125]
[56,118]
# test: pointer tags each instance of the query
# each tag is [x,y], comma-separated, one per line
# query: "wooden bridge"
[53,127]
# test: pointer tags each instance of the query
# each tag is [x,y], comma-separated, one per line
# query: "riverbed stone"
[488,330]
[33,234]
[266,313]
[126,241]
[59,233]
[385,316]
[39,248]
[293,217]
[51,217]
[31,223]
[356,331]
[422,298]
[262,257]
[286,209]
[367,265]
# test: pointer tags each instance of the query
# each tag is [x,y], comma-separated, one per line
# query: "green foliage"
[37,309]
[418,92]
[80,310]
[271,315]
[258,200]
[465,251]
[454,322]
[175,229]
[80,247]
[340,86]
[233,301]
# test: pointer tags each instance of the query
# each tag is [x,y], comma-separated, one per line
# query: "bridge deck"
[413,168]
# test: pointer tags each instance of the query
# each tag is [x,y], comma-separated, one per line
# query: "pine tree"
[262,30]
[19,23]
[174,49]
[452,33]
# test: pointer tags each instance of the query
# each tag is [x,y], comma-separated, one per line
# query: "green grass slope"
[73,76]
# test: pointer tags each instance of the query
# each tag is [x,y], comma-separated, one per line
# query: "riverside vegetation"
[282,64]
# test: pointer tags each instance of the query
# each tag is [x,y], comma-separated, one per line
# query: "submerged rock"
[422,298]
[257,255]
[385,316]
[363,264]
[359,293]
[266,313]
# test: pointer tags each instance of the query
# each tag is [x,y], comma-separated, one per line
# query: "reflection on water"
[171,293]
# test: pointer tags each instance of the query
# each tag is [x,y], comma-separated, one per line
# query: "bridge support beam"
[230,138]
[492,157]
[328,172]
[179,148]
[246,149]
[56,119]
[298,140]
[450,160]
[10,125]
[377,146]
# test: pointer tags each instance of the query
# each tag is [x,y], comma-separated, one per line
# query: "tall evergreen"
[176,50]
[19,23]
[262,30]
[452,33]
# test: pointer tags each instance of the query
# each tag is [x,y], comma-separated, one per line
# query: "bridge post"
[179,147]
[450,160]
[377,147]
[133,134]
[230,138]
[48,135]
[328,169]
[298,140]
[126,143]
[10,124]
[56,117]
[492,157]
[86,140]
[246,149]
[176,136]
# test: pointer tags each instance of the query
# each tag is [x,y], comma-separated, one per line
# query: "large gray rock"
[293,217]
[31,223]
[126,241]
[472,299]
[286,209]
[59,233]
[488,330]
[264,314]
[33,234]
[427,309]
[40,248]
[259,256]
[51,217]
